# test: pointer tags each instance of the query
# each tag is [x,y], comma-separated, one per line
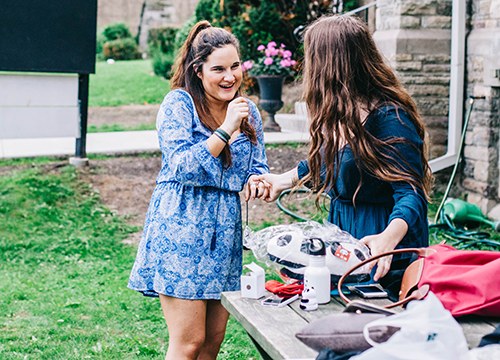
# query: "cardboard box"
[253,283]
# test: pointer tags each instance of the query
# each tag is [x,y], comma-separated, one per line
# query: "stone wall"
[156,13]
[111,11]
[160,13]
[415,36]
[481,154]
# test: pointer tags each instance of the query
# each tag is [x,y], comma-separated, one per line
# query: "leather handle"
[416,295]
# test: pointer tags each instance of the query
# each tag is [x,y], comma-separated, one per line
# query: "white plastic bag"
[427,332]
[488,352]
[283,246]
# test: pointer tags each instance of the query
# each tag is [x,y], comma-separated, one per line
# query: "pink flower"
[287,54]
[272,44]
[247,65]
[285,63]
[268,61]
[293,62]
[271,52]
[283,45]
[261,47]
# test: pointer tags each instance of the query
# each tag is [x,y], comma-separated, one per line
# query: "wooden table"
[273,329]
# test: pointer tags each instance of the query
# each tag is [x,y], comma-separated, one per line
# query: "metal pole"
[80,158]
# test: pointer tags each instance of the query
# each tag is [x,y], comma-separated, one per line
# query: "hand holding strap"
[418,294]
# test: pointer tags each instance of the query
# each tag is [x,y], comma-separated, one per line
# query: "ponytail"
[185,57]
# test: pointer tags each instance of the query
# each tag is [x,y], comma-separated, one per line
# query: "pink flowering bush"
[273,61]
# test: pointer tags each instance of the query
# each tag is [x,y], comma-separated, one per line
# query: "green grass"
[118,127]
[125,83]
[63,276]
[59,160]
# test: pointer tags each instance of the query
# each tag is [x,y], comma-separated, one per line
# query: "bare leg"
[186,322]
[217,317]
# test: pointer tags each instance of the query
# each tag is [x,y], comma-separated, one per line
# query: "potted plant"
[271,69]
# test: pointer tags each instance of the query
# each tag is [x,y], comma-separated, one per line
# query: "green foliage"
[63,277]
[162,38]
[119,127]
[125,83]
[116,42]
[183,32]
[100,41]
[116,31]
[163,63]
[121,49]
[256,22]
[161,49]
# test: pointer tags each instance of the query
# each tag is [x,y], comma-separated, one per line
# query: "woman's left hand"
[384,242]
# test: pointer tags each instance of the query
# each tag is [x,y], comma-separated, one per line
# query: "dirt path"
[126,184]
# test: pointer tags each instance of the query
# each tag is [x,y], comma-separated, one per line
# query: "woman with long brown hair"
[212,145]
[367,145]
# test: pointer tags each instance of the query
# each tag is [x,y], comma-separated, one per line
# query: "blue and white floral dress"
[191,246]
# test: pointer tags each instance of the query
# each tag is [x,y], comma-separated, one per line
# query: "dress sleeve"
[303,170]
[259,160]
[190,160]
[410,204]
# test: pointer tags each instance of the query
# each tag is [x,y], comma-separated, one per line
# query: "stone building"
[416,36]
[140,15]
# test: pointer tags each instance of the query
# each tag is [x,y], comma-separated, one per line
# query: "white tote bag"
[427,331]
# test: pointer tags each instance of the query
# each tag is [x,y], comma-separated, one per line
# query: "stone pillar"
[415,36]
[481,153]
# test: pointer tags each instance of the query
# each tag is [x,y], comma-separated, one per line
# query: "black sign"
[48,35]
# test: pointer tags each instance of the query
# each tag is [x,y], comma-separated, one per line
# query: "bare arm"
[278,183]
[387,240]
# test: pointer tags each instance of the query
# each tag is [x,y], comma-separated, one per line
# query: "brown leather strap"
[416,295]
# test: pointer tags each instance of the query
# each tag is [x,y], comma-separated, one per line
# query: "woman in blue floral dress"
[212,145]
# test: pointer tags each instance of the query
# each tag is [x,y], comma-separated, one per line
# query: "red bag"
[465,281]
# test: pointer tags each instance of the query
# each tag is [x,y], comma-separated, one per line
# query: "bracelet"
[220,137]
[223,133]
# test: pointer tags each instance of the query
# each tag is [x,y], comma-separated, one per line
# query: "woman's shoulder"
[389,120]
[250,102]
[178,95]
[254,110]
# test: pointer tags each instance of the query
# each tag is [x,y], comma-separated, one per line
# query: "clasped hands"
[265,187]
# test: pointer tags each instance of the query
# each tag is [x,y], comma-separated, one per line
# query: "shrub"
[121,49]
[162,63]
[116,31]
[162,38]
[183,32]
[101,40]
[256,22]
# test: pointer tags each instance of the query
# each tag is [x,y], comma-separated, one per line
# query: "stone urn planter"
[271,88]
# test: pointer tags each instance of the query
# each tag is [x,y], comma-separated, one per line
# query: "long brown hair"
[202,40]
[344,69]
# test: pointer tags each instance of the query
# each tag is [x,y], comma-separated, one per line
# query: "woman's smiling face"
[221,74]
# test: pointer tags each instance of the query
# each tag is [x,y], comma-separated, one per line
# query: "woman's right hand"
[236,111]
[278,183]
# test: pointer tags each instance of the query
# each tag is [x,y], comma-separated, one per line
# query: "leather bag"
[465,281]
[343,332]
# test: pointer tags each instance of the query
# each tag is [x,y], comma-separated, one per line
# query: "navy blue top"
[379,202]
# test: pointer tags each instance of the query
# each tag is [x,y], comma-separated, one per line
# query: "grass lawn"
[125,83]
[63,276]
[119,127]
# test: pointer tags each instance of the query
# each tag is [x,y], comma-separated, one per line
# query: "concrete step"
[294,122]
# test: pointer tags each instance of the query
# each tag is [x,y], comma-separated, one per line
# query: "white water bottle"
[317,274]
